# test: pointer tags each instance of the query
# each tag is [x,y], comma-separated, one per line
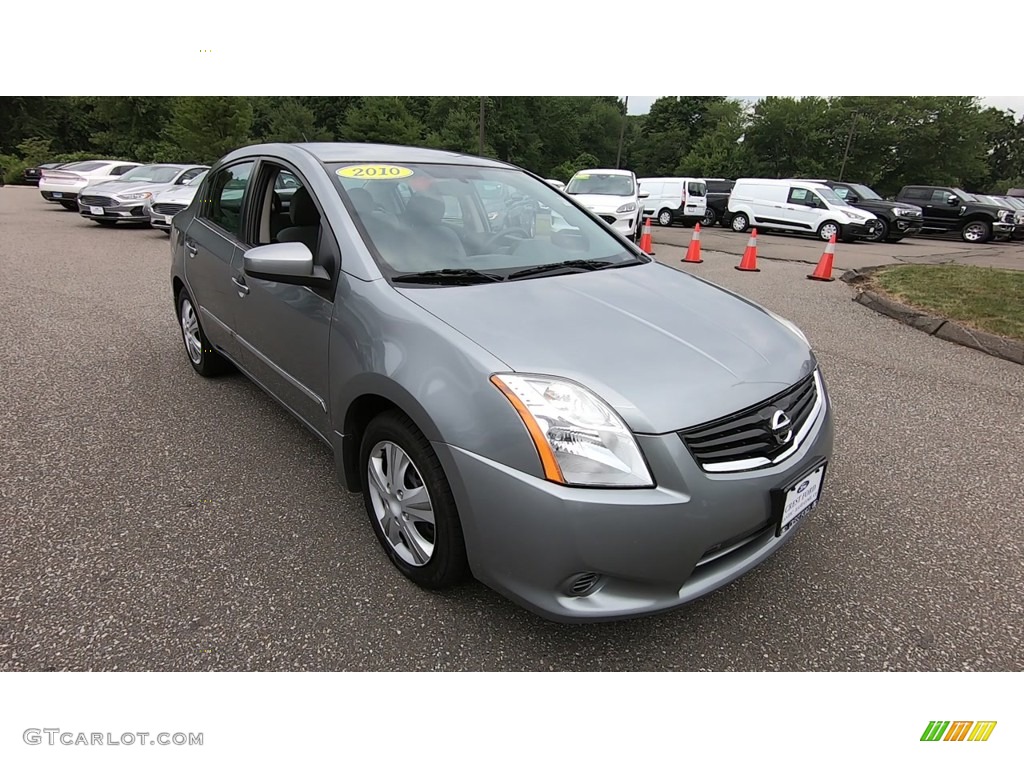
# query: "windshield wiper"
[448,277]
[588,265]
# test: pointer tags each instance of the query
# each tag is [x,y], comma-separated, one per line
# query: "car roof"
[608,171]
[344,152]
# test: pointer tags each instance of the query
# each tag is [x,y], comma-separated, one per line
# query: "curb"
[933,325]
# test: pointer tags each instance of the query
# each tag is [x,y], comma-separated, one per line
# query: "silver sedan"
[127,198]
[591,433]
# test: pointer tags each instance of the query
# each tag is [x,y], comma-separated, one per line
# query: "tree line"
[883,141]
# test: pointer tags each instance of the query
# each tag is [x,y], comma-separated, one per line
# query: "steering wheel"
[494,239]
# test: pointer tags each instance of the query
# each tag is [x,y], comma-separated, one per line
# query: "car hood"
[179,193]
[125,187]
[665,349]
[602,203]
[884,205]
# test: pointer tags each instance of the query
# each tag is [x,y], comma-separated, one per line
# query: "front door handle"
[243,289]
[191,250]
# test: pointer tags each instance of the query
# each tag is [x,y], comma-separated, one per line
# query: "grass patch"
[983,298]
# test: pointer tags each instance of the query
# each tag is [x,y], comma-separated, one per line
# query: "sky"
[639,105]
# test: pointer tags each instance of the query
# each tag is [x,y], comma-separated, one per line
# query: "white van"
[795,205]
[613,195]
[675,199]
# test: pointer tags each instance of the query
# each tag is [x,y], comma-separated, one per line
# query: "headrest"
[425,210]
[362,200]
[302,210]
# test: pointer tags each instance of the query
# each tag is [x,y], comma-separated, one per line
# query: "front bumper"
[133,211]
[906,227]
[865,229]
[651,549]
[626,223]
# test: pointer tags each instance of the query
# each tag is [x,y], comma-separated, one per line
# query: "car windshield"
[156,174]
[967,197]
[864,193]
[600,184]
[197,180]
[1013,202]
[828,195]
[493,222]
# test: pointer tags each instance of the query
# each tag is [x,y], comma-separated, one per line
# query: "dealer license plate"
[95,210]
[800,499]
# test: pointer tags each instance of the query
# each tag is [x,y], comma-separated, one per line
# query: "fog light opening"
[583,584]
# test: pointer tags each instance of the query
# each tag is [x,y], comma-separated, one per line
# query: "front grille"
[746,440]
[106,202]
[609,219]
[167,209]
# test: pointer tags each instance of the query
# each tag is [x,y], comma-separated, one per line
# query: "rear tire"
[430,553]
[740,222]
[709,219]
[665,217]
[977,231]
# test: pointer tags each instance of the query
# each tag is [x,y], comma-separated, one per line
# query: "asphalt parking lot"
[155,520]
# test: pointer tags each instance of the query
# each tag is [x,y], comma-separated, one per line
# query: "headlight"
[580,439]
[905,211]
[791,326]
[626,208]
[137,196]
[1006,215]
[856,216]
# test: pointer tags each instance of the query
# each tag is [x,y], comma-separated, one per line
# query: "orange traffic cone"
[749,261]
[823,271]
[645,239]
[693,252]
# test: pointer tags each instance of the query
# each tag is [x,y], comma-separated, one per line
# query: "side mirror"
[642,195]
[290,263]
[851,199]
[952,199]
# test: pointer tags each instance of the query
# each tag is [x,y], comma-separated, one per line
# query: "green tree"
[383,119]
[566,170]
[285,119]
[205,128]
[720,151]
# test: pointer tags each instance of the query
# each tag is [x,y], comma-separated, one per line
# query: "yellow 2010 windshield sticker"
[375,172]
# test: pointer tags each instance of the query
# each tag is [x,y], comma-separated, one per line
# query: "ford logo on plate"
[803,486]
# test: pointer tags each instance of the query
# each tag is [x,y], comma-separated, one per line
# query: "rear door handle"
[243,289]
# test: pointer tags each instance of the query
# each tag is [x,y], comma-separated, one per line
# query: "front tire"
[881,233]
[410,504]
[201,354]
[740,222]
[828,229]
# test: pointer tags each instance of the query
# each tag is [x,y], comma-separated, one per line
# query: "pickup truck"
[951,210]
[897,220]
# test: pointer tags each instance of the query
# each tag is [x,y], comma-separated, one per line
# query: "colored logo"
[958,730]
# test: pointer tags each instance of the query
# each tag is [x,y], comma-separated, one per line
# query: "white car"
[613,195]
[166,204]
[62,185]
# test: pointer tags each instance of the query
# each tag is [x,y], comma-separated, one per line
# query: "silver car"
[127,198]
[591,433]
[166,203]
